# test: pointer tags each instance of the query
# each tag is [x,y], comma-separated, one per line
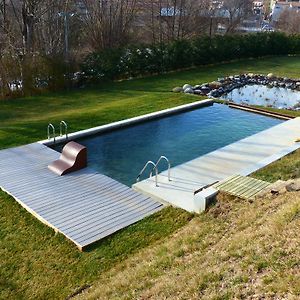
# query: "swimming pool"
[121,154]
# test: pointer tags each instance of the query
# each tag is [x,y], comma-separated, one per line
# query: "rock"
[275,192]
[177,89]
[294,186]
[279,187]
[199,92]
[263,193]
[205,90]
[270,75]
[189,91]
[187,86]
[214,94]
[215,85]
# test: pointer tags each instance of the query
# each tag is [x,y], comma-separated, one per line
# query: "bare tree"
[31,31]
[289,21]
[108,23]
[176,19]
[235,11]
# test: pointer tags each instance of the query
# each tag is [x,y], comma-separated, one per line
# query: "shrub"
[37,73]
[104,65]
[144,59]
[32,74]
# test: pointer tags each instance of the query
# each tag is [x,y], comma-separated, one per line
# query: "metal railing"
[145,167]
[65,125]
[50,126]
[169,166]
[155,168]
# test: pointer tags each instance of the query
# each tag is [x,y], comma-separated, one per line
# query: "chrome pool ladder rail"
[65,125]
[169,166]
[145,167]
[50,126]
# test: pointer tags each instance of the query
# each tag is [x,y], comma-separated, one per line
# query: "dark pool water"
[121,154]
[276,97]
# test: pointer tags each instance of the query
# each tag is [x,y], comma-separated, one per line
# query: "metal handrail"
[169,166]
[61,124]
[145,167]
[53,131]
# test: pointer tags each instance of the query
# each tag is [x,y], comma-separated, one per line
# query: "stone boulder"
[215,85]
[294,186]
[177,89]
[187,86]
[189,91]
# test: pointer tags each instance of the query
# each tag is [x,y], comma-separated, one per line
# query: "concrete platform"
[242,157]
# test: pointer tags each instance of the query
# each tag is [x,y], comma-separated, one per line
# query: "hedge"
[140,60]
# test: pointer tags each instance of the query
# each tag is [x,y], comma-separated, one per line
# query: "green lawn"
[36,263]
[25,120]
[284,169]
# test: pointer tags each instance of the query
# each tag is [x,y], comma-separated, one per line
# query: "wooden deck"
[242,186]
[85,206]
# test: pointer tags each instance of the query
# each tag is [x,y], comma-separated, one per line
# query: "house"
[280,6]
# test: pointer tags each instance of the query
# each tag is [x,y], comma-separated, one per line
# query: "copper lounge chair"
[73,158]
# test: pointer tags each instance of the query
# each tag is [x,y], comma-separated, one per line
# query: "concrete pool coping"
[192,206]
[240,158]
[128,122]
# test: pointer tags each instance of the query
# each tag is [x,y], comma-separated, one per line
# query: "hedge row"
[144,59]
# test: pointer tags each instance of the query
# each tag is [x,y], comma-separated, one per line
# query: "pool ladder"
[63,130]
[155,168]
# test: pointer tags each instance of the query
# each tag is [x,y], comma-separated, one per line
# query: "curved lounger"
[73,158]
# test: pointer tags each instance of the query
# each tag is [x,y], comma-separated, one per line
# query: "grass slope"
[286,168]
[237,250]
[36,263]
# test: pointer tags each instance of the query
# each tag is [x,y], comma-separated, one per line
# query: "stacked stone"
[223,86]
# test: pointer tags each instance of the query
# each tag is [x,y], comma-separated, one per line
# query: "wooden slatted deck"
[242,187]
[85,206]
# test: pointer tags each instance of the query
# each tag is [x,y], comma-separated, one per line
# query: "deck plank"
[89,230]
[85,206]
[242,186]
[89,221]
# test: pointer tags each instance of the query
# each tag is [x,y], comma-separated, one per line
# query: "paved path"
[242,157]
[85,206]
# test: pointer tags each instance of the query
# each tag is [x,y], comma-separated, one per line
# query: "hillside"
[236,247]
[236,250]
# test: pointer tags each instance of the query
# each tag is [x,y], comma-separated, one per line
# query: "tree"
[289,21]
[176,19]
[107,24]
[235,12]
[31,35]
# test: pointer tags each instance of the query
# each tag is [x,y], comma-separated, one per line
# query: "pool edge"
[128,122]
